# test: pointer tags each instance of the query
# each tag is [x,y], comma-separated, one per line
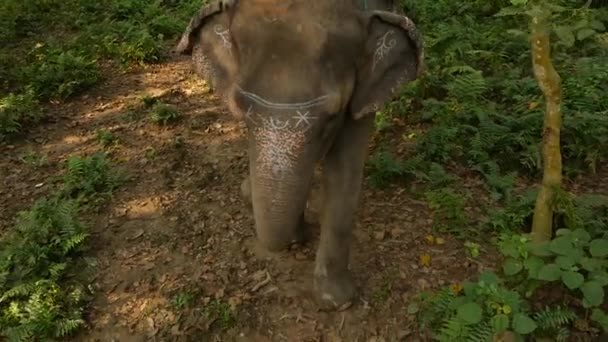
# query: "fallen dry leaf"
[425,260]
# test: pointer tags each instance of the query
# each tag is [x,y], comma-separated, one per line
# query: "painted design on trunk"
[303,118]
[225,35]
[280,138]
[383,48]
[277,105]
[278,146]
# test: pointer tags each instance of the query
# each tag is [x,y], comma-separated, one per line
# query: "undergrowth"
[479,111]
[53,49]
[479,106]
[43,270]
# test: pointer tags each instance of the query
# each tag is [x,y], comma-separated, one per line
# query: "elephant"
[307,78]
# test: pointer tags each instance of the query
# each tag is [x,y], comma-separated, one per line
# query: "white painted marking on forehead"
[275,105]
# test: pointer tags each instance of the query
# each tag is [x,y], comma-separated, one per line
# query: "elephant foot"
[334,292]
[300,235]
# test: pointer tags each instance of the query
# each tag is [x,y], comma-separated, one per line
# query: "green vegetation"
[476,113]
[164,114]
[479,109]
[54,49]
[43,289]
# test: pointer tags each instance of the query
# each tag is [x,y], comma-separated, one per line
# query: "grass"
[62,44]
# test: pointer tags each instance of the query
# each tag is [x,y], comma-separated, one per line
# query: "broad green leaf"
[506,11]
[598,248]
[573,280]
[561,245]
[519,2]
[533,264]
[581,235]
[600,276]
[549,272]
[576,254]
[581,23]
[488,277]
[593,293]
[597,25]
[541,249]
[599,316]
[590,264]
[562,231]
[512,266]
[499,323]
[509,249]
[564,262]
[471,313]
[523,324]
[469,288]
[585,33]
[565,35]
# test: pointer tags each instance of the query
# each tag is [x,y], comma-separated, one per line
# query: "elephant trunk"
[280,179]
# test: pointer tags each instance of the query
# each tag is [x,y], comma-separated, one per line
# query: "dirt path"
[175,247]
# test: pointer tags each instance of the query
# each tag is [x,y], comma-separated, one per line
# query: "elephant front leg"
[343,175]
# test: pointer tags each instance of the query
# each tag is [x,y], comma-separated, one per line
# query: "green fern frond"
[481,332]
[554,318]
[57,270]
[453,330]
[74,241]
[469,85]
[21,290]
[562,334]
[67,326]
[20,333]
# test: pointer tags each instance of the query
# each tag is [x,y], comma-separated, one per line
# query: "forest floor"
[175,246]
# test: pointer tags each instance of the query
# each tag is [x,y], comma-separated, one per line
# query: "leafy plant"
[220,312]
[448,211]
[91,179]
[37,300]
[17,110]
[164,114]
[573,258]
[106,138]
[34,159]
[486,309]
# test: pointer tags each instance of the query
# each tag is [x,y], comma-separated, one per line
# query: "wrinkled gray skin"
[307,78]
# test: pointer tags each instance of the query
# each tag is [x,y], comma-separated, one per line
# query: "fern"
[67,326]
[481,332]
[554,318]
[453,330]
[470,85]
[90,179]
[21,333]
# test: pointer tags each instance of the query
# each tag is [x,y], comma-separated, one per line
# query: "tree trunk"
[549,82]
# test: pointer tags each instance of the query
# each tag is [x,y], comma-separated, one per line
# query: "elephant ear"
[393,55]
[208,39]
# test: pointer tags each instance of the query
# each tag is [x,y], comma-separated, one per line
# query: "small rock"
[300,256]
[423,284]
[397,232]
[379,235]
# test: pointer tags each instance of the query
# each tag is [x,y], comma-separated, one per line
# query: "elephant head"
[295,71]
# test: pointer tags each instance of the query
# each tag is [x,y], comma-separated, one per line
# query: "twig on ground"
[261,284]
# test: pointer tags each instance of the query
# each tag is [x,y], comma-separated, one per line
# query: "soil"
[177,238]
